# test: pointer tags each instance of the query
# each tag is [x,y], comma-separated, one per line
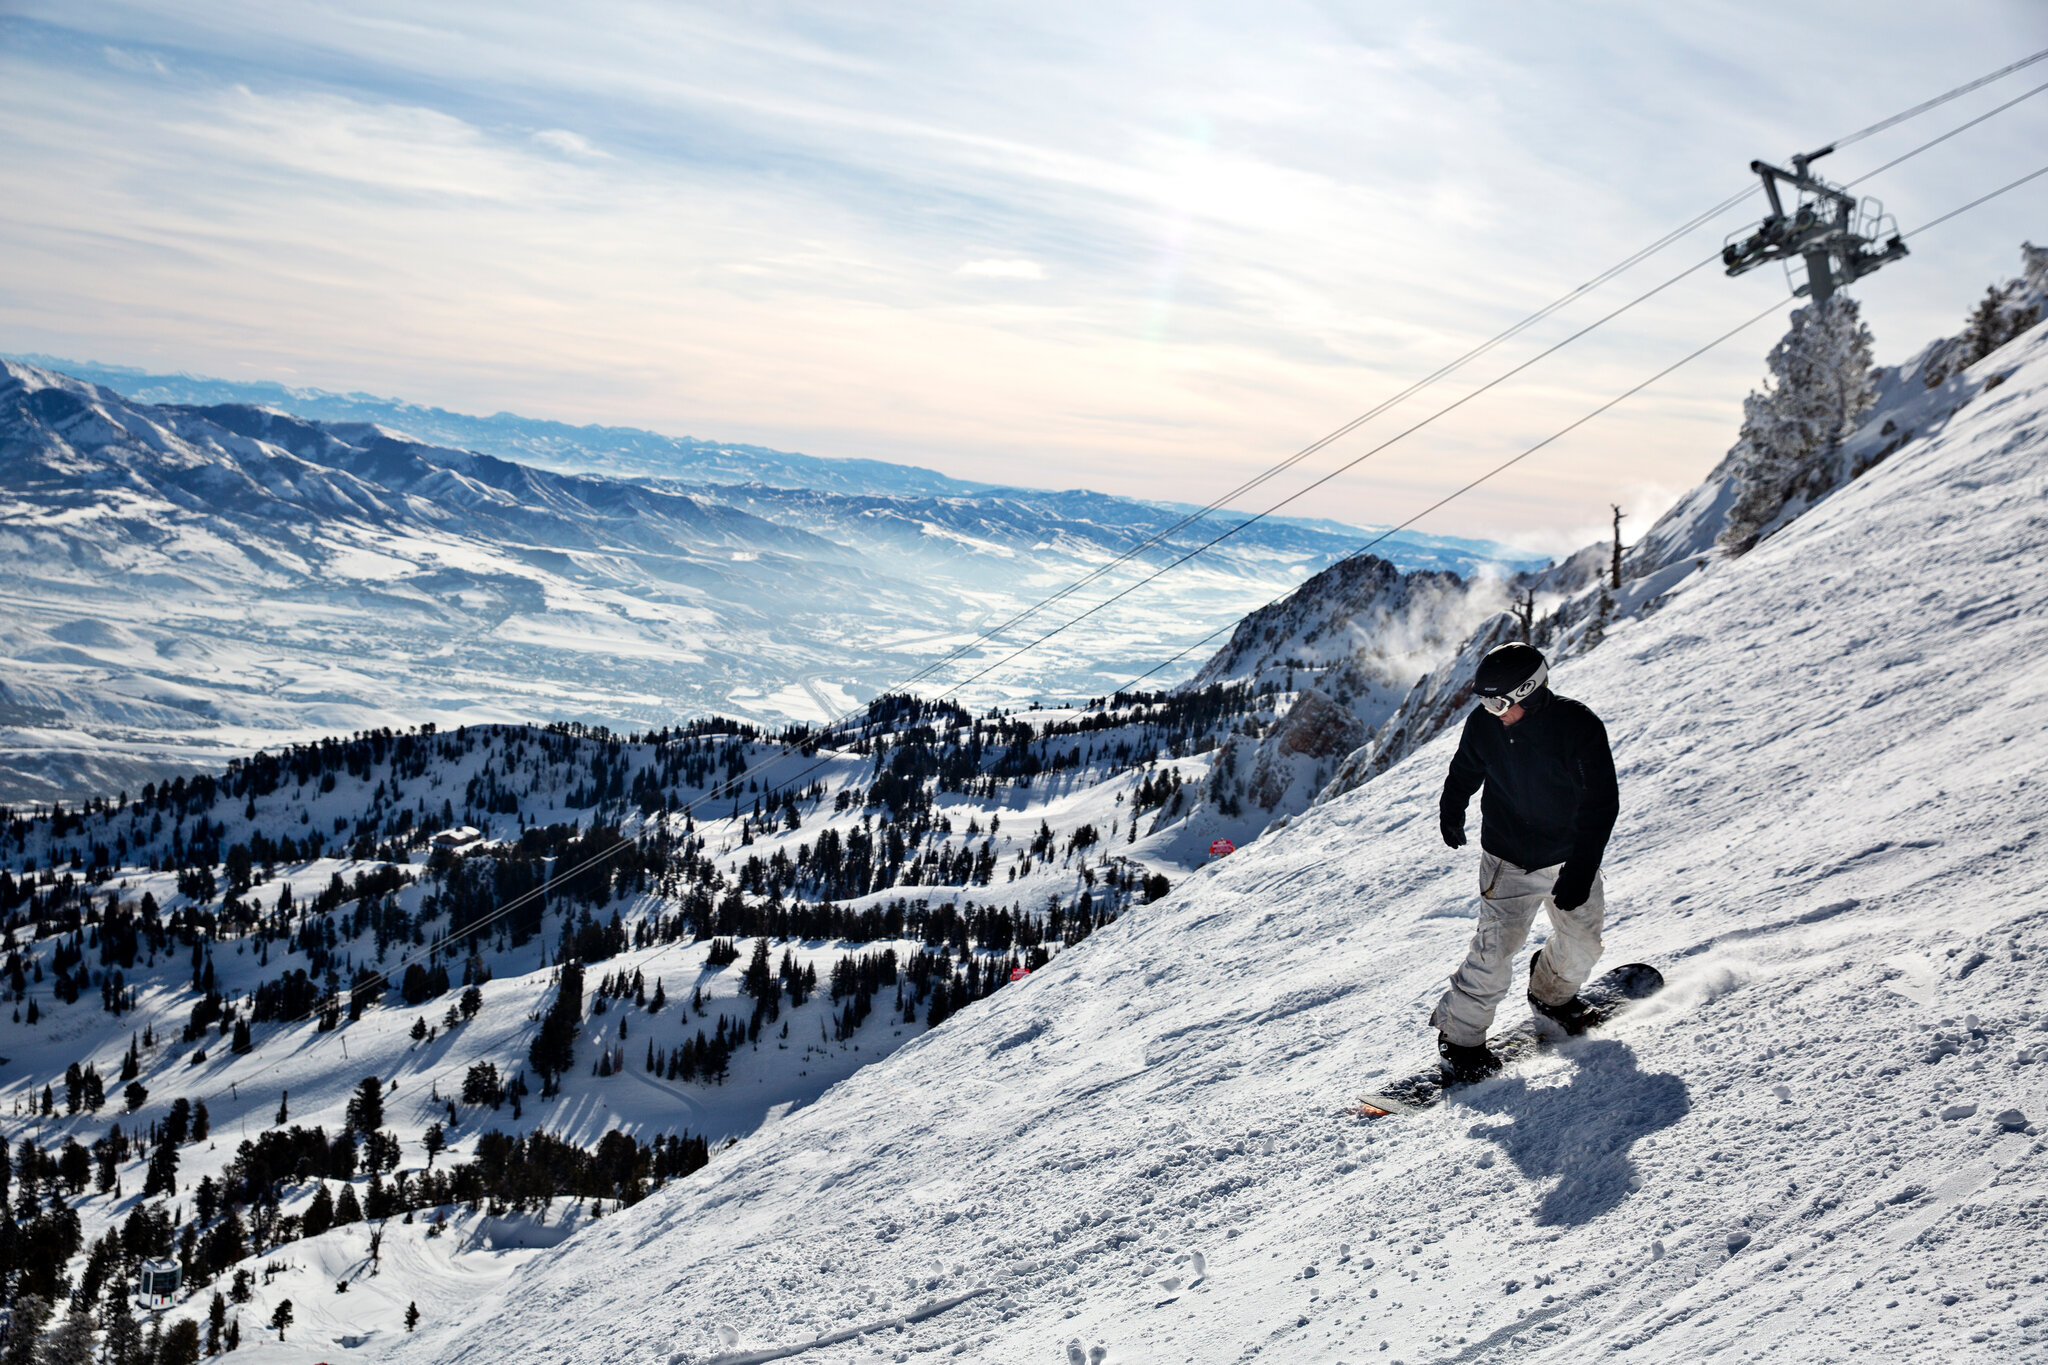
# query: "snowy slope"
[387,795]
[1832,770]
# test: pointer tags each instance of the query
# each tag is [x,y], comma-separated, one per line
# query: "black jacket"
[1550,790]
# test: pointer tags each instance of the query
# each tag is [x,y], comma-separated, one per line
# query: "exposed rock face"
[1345,644]
[1359,625]
[1317,727]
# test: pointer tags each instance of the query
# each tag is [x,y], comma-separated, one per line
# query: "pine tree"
[366,1106]
[347,1209]
[123,1345]
[70,1342]
[31,1311]
[412,1316]
[282,1318]
[283,1109]
[162,1176]
[319,1214]
[1819,387]
[180,1344]
[554,1047]
[1603,616]
[1982,334]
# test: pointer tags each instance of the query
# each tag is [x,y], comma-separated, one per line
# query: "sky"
[1147,249]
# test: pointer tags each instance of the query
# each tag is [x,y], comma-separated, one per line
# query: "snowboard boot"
[1574,1016]
[1467,1063]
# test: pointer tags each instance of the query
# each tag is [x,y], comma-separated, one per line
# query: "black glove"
[1571,890]
[1454,828]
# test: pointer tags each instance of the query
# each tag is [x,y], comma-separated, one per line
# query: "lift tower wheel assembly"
[1828,228]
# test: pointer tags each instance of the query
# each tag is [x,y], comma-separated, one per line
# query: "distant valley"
[187,581]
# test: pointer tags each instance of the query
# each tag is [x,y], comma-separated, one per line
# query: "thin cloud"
[144,63]
[570,144]
[1011,268]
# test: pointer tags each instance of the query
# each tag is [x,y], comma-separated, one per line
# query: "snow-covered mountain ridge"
[619,451]
[1572,603]
[732,470]
[181,585]
[1831,761]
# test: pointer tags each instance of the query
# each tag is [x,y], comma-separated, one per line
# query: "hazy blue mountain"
[633,453]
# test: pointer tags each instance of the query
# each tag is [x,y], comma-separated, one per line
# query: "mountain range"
[186,582]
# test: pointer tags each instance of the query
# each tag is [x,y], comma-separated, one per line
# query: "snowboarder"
[1550,803]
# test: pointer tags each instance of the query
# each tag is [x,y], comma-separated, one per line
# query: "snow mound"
[1832,779]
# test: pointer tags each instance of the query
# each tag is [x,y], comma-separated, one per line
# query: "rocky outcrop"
[1318,727]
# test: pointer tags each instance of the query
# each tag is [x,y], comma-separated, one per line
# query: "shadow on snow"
[1580,1131]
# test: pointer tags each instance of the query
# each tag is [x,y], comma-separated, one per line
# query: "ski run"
[1820,1142]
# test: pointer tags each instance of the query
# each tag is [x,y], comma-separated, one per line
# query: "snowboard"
[1605,998]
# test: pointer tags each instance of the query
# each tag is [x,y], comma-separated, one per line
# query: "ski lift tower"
[1834,233]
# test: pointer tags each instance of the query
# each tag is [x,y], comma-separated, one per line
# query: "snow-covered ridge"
[1574,602]
[619,451]
[1831,762]
[1341,651]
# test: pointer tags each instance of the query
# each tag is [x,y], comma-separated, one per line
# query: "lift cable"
[1504,465]
[1959,128]
[1507,334]
[1344,468]
[1981,199]
[1941,99]
[1337,434]
[1232,624]
[1409,431]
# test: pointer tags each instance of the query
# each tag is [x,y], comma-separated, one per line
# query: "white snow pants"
[1509,897]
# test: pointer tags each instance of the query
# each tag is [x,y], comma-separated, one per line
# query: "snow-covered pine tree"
[123,1345]
[1819,387]
[70,1342]
[180,1345]
[2005,311]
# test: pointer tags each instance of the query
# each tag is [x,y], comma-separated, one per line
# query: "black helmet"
[1508,674]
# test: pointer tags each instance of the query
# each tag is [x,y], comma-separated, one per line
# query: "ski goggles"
[1518,694]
